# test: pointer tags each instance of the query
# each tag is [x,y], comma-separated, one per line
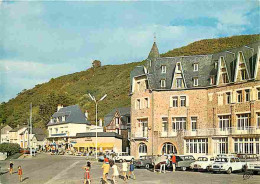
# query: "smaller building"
[14,134]
[35,139]
[4,133]
[119,121]
[106,141]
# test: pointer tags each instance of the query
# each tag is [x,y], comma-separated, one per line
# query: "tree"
[9,148]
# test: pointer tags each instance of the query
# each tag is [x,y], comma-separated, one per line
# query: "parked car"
[248,157]
[183,161]
[253,166]
[119,157]
[144,162]
[203,163]
[78,154]
[227,164]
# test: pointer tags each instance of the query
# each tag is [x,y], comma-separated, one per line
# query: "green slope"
[111,79]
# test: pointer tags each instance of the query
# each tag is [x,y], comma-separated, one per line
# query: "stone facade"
[208,118]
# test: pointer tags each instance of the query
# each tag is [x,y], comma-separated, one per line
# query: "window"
[228,97]
[146,102]
[175,101]
[143,127]
[197,146]
[179,83]
[258,120]
[239,96]
[243,121]
[245,145]
[163,83]
[142,148]
[258,93]
[247,95]
[164,124]
[224,122]
[225,78]
[117,121]
[179,123]
[138,86]
[138,104]
[216,64]
[163,69]
[178,66]
[195,81]
[195,67]
[243,74]
[50,131]
[168,148]
[183,101]
[221,146]
[212,80]
[193,123]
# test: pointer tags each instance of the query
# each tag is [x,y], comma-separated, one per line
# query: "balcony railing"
[226,131]
[59,135]
[168,134]
[138,135]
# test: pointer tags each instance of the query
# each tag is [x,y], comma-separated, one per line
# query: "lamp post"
[96,103]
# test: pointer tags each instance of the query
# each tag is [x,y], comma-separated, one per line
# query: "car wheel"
[255,172]
[214,172]
[184,168]
[208,168]
[147,166]
[120,160]
[229,171]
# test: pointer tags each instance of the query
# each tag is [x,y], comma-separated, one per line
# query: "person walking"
[105,168]
[162,166]
[11,166]
[87,173]
[131,172]
[20,173]
[173,163]
[124,169]
[115,172]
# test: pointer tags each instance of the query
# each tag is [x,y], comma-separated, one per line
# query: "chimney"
[100,122]
[86,114]
[59,107]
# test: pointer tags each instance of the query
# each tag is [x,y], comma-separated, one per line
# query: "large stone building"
[200,105]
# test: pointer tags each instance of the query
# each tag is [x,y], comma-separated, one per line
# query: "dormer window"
[225,78]
[243,74]
[212,80]
[195,67]
[178,66]
[163,67]
[195,81]
[179,83]
[163,83]
[216,64]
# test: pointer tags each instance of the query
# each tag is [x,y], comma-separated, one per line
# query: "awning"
[91,144]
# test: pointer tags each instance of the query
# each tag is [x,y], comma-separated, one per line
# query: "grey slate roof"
[73,115]
[123,111]
[40,137]
[99,134]
[154,53]
[206,65]
[17,128]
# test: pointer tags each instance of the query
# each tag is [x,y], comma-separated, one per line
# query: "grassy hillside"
[111,79]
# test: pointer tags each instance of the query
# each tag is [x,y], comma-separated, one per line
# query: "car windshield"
[202,159]
[221,160]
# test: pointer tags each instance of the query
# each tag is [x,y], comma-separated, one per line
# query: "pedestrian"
[11,167]
[105,168]
[162,166]
[106,160]
[124,169]
[20,173]
[173,163]
[87,173]
[115,172]
[131,172]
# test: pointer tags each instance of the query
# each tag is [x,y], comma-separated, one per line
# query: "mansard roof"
[206,65]
[73,115]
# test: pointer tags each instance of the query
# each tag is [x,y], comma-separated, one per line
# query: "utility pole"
[30,130]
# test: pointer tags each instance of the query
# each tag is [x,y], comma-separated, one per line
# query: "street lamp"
[96,102]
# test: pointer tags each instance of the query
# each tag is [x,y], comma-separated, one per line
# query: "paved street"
[49,169]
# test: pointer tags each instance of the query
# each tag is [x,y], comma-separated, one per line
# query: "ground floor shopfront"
[197,146]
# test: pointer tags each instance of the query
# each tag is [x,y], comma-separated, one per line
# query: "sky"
[40,40]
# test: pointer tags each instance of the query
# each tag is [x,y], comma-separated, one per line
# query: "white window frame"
[183,101]
[212,80]
[163,68]
[258,93]
[179,85]
[243,121]
[196,67]
[179,123]
[239,96]
[199,146]
[224,122]
[243,74]
[163,83]
[165,124]
[138,104]
[228,97]
[142,148]
[225,79]
[258,120]
[146,102]
[194,120]
[195,81]
[247,95]
[175,99]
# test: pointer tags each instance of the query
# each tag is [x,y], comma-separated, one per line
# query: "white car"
[227,164]
[203,163]
[254,166]
[120,157]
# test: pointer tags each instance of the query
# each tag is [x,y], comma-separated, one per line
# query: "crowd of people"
[126,169]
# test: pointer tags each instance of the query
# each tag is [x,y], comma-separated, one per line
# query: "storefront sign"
[88,139]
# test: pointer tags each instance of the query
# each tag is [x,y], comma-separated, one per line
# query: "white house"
[4,133]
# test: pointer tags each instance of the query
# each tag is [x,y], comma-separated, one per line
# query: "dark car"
[144,162]
[183,161]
